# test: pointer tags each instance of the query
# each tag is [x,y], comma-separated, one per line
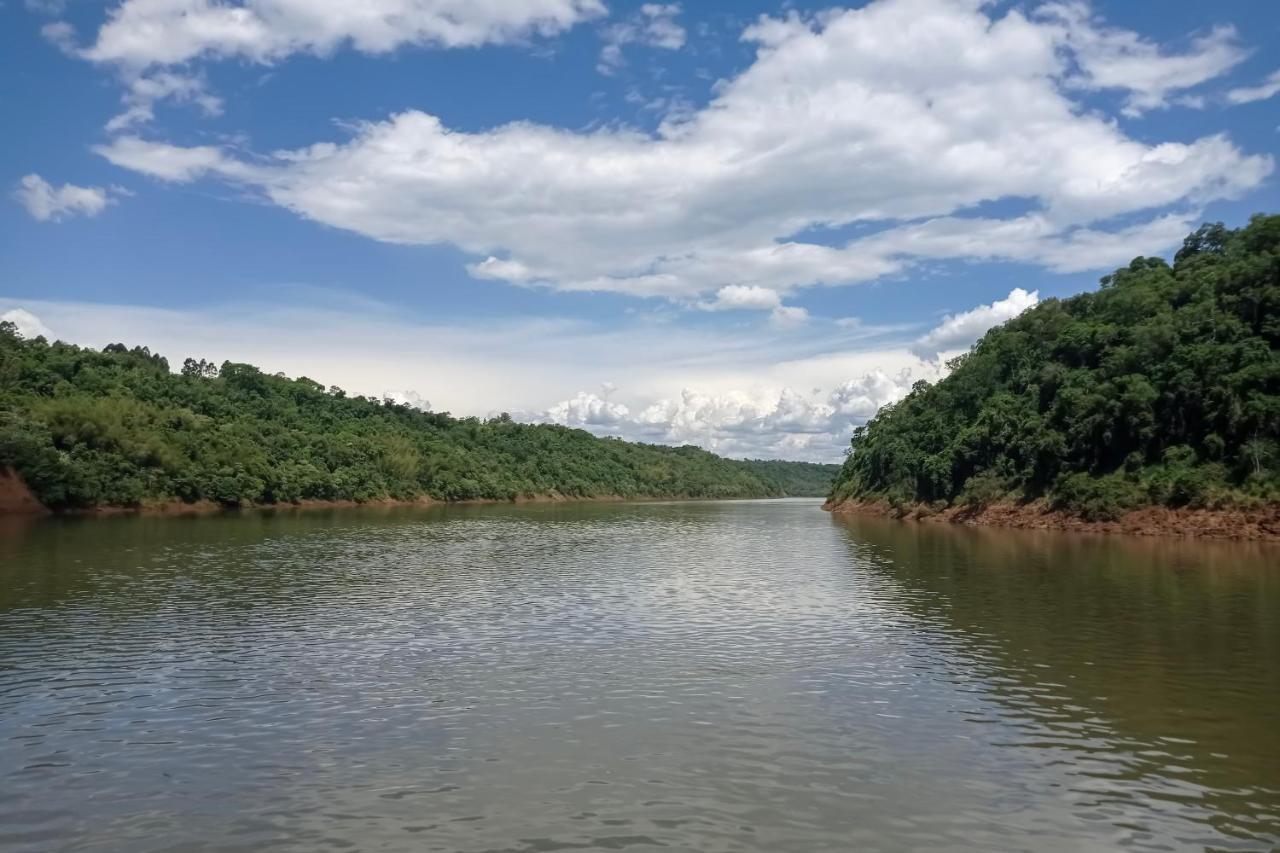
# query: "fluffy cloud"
[654,25]
[1120,59]
[170,162]
[762,423]
[146,33]
[29,325]
[904,114]
[734,296]
[48,203]
[958,331]
[588,410]
[145,39]
[412,399]
[1268,88]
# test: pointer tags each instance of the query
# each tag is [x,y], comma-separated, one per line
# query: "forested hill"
[794,479]
[86,428]
[1160,388]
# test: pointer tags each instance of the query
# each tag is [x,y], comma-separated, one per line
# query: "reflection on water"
[708,676]
[1148,663]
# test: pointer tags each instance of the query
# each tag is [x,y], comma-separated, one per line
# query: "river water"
[736,676]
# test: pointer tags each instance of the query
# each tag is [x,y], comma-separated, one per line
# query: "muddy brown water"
[736,676]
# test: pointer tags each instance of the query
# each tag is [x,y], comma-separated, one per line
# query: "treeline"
[794,479]
[88,428]
[1160,388]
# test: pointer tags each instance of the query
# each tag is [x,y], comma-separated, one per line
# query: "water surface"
[736,676]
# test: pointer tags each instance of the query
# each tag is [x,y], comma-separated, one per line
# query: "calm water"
[752,676]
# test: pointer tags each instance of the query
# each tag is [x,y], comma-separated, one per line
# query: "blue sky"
[739,224]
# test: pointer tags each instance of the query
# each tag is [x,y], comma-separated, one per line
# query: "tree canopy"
[1160,388]
[118,427]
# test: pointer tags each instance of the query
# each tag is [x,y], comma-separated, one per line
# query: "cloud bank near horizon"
[777,398]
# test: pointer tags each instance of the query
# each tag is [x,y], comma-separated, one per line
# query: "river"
[720,676]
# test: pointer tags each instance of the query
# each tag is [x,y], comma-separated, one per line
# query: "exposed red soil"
[1253,524]
[16,498]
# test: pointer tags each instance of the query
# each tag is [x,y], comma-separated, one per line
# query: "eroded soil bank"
[1257,525]
[16,498]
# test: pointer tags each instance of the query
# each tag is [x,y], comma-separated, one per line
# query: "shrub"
[1095,498]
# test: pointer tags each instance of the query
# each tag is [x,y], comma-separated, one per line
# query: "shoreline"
[16,501]
[1261,525]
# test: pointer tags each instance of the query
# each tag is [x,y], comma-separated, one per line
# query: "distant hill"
[1162,388]
[89,429]
[794,479]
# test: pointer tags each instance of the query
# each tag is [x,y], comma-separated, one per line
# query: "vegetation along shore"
[85,430]
[1151,405]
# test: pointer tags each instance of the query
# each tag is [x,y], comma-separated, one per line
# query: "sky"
[743,225]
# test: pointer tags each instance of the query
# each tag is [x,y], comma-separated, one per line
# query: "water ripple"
[718,677]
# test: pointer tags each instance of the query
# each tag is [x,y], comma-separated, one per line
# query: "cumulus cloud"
[959,331]
[145,40]
[788,316]
[767,423]
[734,296]
[1110,58]
[588,410]
[146,33]
[1268,88]
[654,25]
[409,398]
[47,203]
[737,297]
[904,114]
[29,325]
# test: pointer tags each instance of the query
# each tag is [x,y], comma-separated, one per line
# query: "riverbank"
[16,499]
[1261,525]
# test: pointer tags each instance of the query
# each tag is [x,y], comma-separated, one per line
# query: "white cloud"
[905,114]
[171,162]
[409,398]
[1111,58]
[761,422]
[142,39]
[587,410]
[29,325]
[654,25]
[144,91]
[1268,88]
[788,316]
[735,296]
[958,331]
[61,35]
[48,203]
[145,33]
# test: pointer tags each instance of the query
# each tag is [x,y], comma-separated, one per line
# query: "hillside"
[117,428]
[794,479]
[1160,389]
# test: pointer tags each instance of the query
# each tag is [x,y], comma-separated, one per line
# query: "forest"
[1161,388]
[117,427]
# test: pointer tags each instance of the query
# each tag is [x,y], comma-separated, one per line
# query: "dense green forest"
[794,479]
[1160,388]
[86,428]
